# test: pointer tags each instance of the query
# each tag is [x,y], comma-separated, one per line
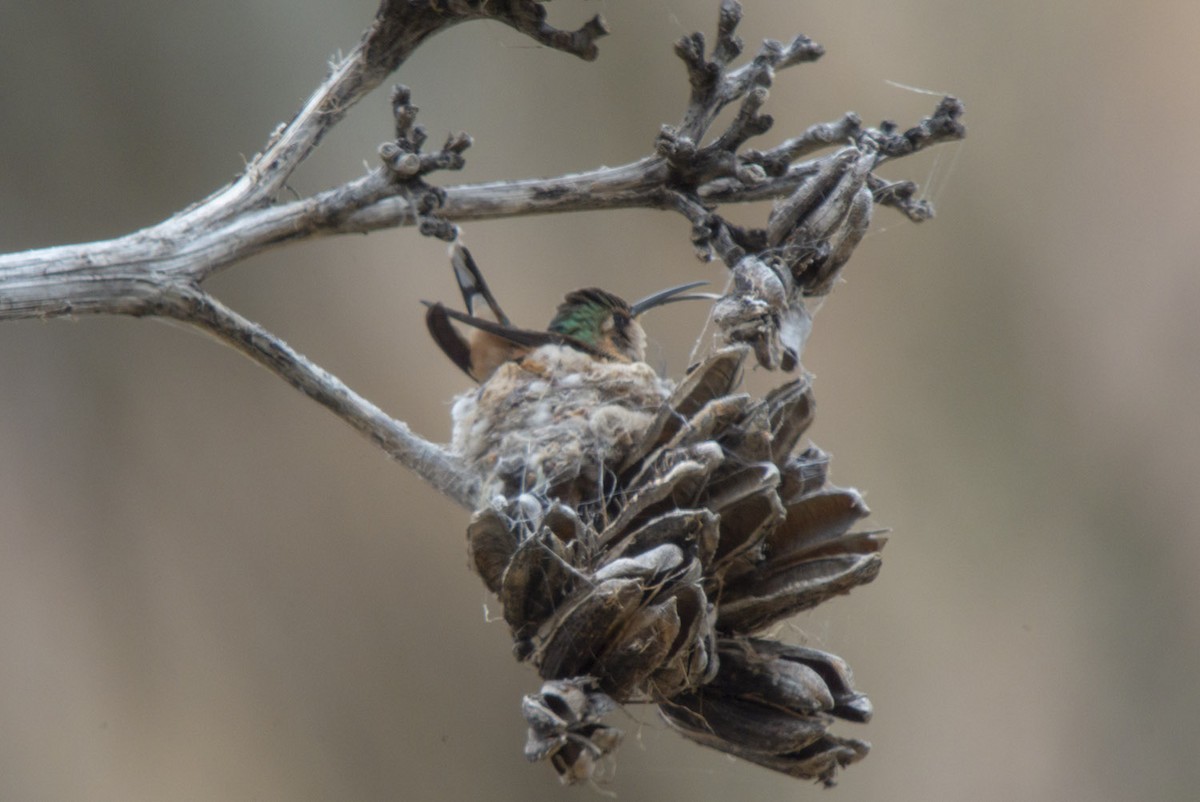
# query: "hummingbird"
[590,320]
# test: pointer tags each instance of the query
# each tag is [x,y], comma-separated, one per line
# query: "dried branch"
[147,272]
[440,468]
[644,533]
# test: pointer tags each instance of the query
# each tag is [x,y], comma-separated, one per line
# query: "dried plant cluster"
[643,535]
[698,527]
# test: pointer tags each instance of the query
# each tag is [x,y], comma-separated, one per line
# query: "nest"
[642,537]
[551,423]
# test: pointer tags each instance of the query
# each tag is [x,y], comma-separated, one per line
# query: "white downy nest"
[551,423]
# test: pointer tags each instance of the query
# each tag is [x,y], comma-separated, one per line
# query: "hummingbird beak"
[671,295]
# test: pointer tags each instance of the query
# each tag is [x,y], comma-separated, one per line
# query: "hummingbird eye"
[616,323]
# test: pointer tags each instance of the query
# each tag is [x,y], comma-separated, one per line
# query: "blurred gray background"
[210,588]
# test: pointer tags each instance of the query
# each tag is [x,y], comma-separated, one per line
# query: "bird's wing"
[471,283]
[522,337]
[447,337]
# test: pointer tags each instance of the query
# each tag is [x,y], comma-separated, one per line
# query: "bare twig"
[818,137]
[125,275]
[440,468]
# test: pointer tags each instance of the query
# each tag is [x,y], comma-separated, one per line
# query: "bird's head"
[607,323]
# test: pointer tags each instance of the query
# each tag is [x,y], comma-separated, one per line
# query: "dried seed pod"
[491,543]
[536,580]
[662,489]
[764,597]
[819,761]
[564,727]
[807,558]
[817,524]
[639,531]
[821,276]
[692,658]
[803,474]
[712,378]
[749,438]
[584,625]
[715,720]
[834,673]
[695,531]
[752,312]
[657,561]
[791,408]
[749,509]
[810,236]
[715,416]
[772,704]
[639,650]
[817,227]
